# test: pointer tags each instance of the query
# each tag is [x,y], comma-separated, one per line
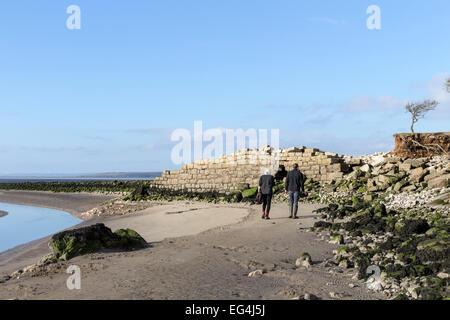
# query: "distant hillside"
[121,175]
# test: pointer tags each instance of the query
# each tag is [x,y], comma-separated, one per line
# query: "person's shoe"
[267,217]
[263,215]
[290,210]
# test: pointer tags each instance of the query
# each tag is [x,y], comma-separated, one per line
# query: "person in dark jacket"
[266,183]
[294,184]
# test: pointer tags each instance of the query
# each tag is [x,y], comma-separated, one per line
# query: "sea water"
[23,224]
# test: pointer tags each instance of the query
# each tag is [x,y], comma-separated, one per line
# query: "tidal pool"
[23,224]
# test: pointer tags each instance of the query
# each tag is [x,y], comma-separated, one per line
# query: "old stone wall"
[238,170]
[421,144]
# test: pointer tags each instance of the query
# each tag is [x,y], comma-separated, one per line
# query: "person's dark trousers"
[293,203]
[267,200]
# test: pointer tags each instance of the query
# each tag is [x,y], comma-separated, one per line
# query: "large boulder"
[400,184]
[409,188]
[418,174]
[366,168]
[355,174]
[411,227]
[405,167]
[72,243]
[434,174]
[440,182]
[387,179]
[416,163]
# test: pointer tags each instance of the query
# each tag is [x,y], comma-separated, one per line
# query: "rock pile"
[412,200]
[382,172]
[411,248]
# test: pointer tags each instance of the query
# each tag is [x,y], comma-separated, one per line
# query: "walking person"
[294,184]
[266,183]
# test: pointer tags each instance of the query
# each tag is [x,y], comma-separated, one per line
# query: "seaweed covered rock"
[434,289]
[236,196]
[322,225]
[380,210]
[434,250]
[249,193]
[339,239]
[149,193]
[411,227]
[141,192]
[128,240]
[47,259]
[72,243]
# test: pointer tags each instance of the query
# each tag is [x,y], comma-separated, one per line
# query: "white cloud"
[436,90]
[390,102]
[370,104]
[359,104]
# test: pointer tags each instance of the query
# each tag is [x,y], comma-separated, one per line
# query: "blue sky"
[107,97]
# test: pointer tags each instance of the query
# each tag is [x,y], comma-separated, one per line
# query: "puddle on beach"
[23,224]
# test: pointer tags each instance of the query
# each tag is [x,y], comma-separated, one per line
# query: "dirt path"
[213,264]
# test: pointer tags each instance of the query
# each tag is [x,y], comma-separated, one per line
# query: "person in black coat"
[294,185]
[266,183]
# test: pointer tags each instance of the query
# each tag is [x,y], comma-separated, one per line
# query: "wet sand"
[74,203]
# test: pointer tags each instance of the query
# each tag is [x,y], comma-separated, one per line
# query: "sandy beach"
[198,251]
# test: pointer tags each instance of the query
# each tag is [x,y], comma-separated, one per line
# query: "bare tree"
[418,110]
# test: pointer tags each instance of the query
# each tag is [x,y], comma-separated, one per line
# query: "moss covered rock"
[128,240]
[47,259]
[380,210]
[322,225]
[433,249]
[249,193]
[72,243]
[407,228]
[339,239]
